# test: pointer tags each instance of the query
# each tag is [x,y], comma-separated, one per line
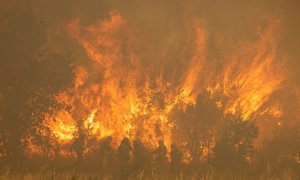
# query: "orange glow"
[115,95]
[251,77]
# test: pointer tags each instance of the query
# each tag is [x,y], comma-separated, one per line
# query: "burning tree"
[26,89]
[235,148]
[185,90]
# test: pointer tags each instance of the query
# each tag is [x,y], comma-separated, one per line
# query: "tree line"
[27,92]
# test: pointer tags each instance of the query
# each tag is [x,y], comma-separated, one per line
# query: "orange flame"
[114,95]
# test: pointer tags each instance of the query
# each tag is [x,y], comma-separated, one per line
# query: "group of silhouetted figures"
[132,158]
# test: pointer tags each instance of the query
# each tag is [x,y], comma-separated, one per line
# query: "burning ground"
[149,72]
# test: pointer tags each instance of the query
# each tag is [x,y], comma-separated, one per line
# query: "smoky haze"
[204,77]
[157,20]
[161,27]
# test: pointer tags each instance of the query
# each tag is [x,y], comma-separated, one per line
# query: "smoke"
[157,20]
[140,62]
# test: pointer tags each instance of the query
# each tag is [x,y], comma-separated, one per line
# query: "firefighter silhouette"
[176,159]
[140,158]
[124,158]
[106,154]
[78,147]
[160,157]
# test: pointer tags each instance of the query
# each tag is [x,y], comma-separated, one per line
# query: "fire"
[63,126]
[275,111]
[115,95]
[251,77]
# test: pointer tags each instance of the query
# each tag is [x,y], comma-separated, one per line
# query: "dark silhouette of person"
[176,159]
[160,157]
[106,154]
[124,158]
[78,148]
[140,160]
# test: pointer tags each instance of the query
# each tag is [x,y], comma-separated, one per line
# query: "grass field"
[209,175]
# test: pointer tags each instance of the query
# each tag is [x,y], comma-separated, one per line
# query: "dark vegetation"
[29,79]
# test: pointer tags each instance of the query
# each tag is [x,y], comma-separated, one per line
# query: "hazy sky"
[228,17]
[233,18]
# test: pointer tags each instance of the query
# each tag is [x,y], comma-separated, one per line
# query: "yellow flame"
[117,96]
[251,77]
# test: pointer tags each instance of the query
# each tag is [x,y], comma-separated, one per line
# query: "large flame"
[251,76]
[114,94]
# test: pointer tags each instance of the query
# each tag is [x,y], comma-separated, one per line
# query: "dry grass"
[209,175]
